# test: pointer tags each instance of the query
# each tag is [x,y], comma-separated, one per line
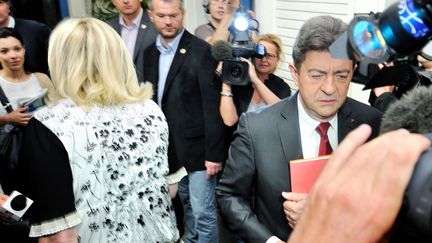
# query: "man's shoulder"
[113,21]
[197,42]
[268,113]
[28,23]
[204,28]
[363,109]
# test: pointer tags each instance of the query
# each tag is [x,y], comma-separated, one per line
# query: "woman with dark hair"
[19,85]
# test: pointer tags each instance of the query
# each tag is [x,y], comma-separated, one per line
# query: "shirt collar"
[11,22]
[308,123]
[135,23]
[172,46]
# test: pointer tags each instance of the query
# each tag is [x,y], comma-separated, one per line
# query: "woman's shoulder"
[148,107]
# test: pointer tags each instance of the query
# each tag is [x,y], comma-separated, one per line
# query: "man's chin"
[169,35]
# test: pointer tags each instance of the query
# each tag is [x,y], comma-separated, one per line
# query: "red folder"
[304,172]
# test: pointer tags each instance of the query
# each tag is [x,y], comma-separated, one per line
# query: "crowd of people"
[137,138]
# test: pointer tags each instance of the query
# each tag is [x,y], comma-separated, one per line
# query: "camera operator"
[382,97]
[221,13]
[264,88]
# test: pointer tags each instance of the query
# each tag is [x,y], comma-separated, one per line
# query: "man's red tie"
[324,147]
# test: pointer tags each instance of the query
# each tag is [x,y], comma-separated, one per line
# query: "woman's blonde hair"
[275,40]
[89,63]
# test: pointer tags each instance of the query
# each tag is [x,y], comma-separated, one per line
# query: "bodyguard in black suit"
[181,69]
[146,36]
[257,170]
[35,36]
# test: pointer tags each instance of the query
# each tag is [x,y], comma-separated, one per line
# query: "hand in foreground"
[212,168]
[18,116]
[293,206]
[359,193]
[3,199]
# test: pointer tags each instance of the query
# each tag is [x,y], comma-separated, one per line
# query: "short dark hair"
[6,32]
[150,4]
[316,34]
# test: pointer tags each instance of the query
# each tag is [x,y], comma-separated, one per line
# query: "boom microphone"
[414,113]
[222,50]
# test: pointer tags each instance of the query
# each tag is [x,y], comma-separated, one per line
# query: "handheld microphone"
[15,206]
[222,50]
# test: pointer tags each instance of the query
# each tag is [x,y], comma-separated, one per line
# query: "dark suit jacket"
[257,169]
[35,36]
[190,103]
[146,36]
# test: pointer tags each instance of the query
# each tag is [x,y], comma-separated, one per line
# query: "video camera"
[235,71]
[398,34]
[401,31]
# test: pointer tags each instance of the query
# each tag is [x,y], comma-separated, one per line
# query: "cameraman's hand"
[384,89]
[18,116]
[252,72]
[232,6]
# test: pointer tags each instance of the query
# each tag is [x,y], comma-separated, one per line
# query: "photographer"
[418,75]
[221,13]
[264,88]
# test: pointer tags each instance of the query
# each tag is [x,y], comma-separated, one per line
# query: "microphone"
[15,206]
[222,50]
[412,112]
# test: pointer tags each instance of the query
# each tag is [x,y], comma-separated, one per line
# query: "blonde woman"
[264,88]
[98,172]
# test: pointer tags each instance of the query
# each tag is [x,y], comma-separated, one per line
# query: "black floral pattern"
[118,157]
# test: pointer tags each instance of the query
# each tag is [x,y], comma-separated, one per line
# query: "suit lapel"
[179,58]
[289,130]
[346,121]
[152,67]
[143,36]
[116,25]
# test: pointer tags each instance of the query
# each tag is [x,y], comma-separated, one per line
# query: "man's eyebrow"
[316,70]
[342,71]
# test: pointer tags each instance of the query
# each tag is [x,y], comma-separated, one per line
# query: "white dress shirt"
[310,138]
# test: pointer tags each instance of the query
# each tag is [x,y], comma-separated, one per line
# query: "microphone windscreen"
[222,50]
[412,112]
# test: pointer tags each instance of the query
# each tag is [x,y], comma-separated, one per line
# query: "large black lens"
[236,72]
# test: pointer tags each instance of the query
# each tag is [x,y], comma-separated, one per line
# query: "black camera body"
[235,71]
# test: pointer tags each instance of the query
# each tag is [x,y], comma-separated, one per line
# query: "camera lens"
[236,71]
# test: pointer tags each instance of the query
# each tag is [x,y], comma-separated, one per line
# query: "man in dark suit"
[181,68]
[257,170]
[136,29]
[35,36]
